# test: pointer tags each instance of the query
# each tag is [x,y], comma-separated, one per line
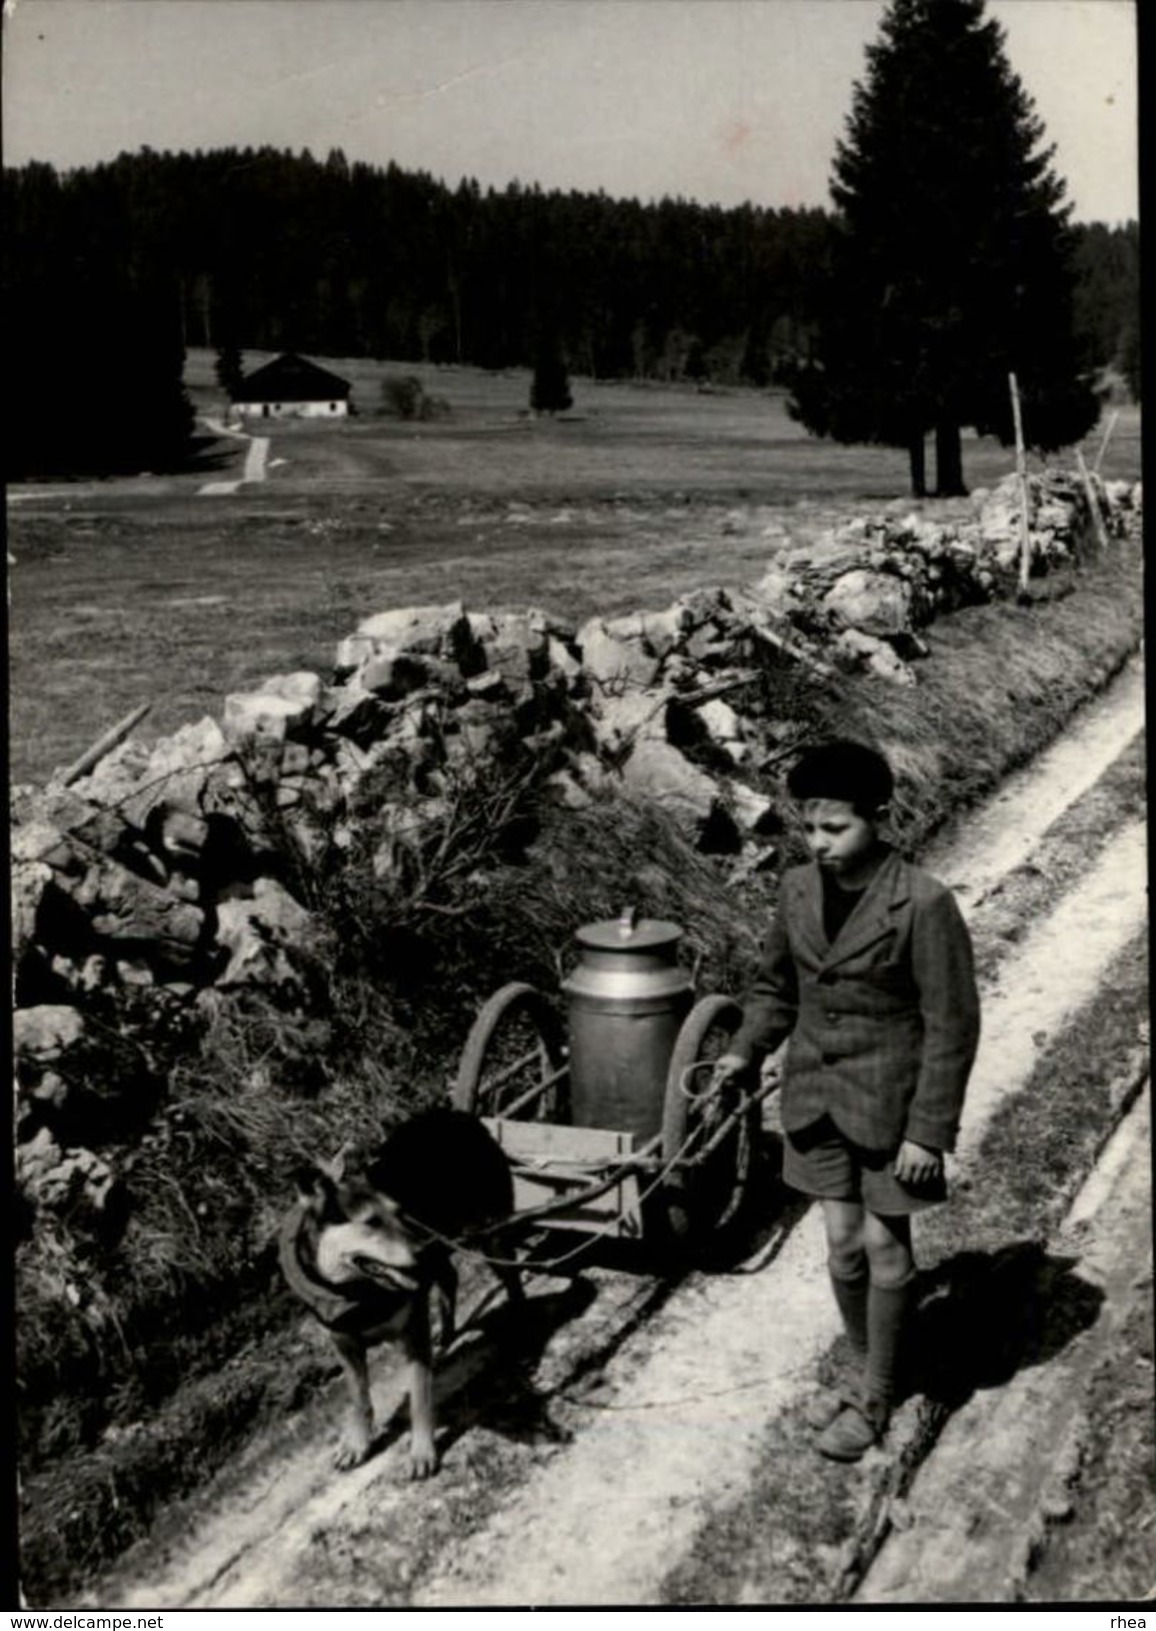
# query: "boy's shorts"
[822,1163]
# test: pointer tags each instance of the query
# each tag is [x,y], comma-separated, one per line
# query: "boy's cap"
[849,771]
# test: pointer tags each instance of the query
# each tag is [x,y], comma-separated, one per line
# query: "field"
[147,590]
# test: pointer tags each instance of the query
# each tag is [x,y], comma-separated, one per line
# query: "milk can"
[627,999]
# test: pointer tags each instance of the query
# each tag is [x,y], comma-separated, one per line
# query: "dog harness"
[336,1306]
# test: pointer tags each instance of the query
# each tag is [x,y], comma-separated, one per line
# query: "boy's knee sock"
[851,1294]
[887,1308]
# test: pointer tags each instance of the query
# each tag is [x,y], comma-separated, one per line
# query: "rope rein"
[559,1208]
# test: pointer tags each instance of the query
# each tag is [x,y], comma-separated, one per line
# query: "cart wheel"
[514,1047]
[706,1195]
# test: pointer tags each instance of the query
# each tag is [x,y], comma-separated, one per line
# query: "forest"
[110,271]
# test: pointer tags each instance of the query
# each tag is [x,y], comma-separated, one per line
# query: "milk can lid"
[629,933]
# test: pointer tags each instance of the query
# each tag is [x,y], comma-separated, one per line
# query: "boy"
[868,968]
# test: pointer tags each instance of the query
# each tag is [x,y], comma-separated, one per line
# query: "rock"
[36,1157]
[76,1181]
[662,631]
[183,837]
[516,649]
[635,716]
[356,713]
[614,665]
[484,727]
[699,606]
[875,654]
[260,716]
[301,686]
[551,625]
[489,686]
[415,725]
[352,651]
[46,1034]
[117,776]
[754,812]
[710,646]
[124,907]
[297,759]
[562,660]
[81,977]
[833,552]
[568,790]
[875,602]
[589,772]
[395,675]
[66,828]
[41,842]
[658,771]
[134,971]
[31,880]
[628,626]
[178,769]
[440,631]
[928,537]
[259,935]
[719,721]
[776,589]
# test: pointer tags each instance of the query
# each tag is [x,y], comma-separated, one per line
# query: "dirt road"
[256,461]
[587,1467]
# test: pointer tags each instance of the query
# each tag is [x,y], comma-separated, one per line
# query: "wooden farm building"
[292,387]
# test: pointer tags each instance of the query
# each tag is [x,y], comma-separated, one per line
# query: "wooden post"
[1107,438]
[102,746]
[1093,501]
[1021,472]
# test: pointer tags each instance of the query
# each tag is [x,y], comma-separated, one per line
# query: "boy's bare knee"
[845,1238]
[889,1255]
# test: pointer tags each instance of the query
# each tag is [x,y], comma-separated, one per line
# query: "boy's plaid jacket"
[883,1022]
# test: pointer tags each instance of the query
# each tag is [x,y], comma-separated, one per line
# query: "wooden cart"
[687,1180]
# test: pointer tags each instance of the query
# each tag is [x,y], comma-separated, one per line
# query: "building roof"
[290,378]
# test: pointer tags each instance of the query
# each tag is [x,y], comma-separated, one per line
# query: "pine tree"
[951,262]
[229,369]
[550,388]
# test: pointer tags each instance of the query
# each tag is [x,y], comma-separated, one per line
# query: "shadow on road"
[503,1348]
[983,1317]
[208,454]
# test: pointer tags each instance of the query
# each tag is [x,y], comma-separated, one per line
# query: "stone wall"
[163,868]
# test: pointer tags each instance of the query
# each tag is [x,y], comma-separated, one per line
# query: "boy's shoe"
[823,1408]
[841,1384]
[853,1431]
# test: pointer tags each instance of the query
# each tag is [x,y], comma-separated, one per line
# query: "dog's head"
[359,1233]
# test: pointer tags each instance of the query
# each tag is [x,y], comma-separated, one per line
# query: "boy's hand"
[726,1067]
[917,1165]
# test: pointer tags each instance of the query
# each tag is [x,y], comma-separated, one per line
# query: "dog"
[366,1253]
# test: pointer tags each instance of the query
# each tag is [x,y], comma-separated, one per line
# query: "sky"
[722,101]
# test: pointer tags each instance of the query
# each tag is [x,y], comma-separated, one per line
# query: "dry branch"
[1093,501]
[1022,478]
[103,745]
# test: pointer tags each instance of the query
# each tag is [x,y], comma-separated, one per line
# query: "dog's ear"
[334,1168]
[317,1187]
